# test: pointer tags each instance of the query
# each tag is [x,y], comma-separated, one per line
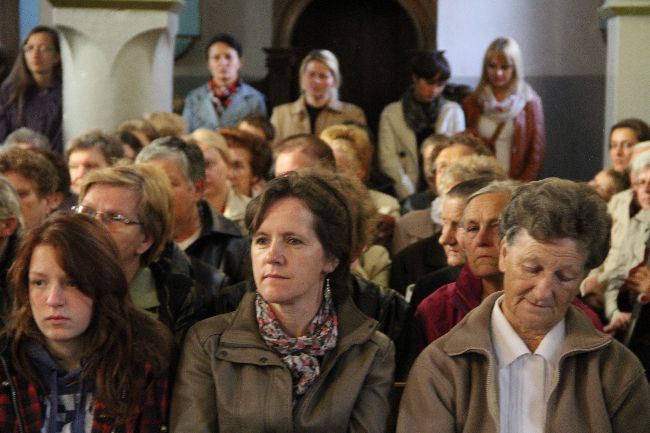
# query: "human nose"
[485,235]
[447,236]
[275,253]
[55,295]
[544,287]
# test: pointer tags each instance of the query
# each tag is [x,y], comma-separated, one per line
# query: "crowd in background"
[227,270]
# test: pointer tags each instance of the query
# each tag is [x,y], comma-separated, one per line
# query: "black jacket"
[221,245]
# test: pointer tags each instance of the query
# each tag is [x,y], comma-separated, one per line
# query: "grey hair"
[188,155]
[642,161]
[507,186]
[469,167]
[26,135]
[10,203]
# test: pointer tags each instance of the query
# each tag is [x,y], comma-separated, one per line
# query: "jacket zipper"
[14,395]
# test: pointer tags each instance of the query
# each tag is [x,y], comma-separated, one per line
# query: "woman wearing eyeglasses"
[76,354]
[31,95]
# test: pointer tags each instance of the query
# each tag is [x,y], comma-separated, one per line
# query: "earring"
[328,290]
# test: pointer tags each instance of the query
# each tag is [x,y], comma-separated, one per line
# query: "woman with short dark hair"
[296,355]
[76,355]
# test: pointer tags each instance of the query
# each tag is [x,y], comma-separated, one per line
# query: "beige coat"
[292,118]
[600,386]
[230,381]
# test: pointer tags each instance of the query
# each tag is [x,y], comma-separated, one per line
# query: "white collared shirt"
[524,377]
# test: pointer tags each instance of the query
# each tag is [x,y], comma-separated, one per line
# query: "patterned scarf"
[222,96]
[420,117]
[300,354]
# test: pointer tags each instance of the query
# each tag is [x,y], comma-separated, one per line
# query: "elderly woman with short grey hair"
[526,359]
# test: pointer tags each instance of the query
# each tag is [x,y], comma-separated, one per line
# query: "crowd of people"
[223,270]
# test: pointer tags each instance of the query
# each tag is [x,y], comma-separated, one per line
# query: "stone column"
[628,62]
[118,60]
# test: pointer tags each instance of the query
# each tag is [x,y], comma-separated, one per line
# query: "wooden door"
[372,40]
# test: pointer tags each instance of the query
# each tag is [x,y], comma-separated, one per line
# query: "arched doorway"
[371,38]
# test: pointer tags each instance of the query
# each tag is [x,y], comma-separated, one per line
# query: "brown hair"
[311,146]
[120,338]
[109,145]
[333,223]
[33,166]
[463,138]
[259,149]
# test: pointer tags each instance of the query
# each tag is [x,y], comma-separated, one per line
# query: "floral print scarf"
[300,354]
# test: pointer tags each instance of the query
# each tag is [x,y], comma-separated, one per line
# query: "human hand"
[620,321]
[639,279]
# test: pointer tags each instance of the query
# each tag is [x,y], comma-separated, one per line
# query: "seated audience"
[27,139]
[35,179]
[63,197]
[608,182]
[11,228]
[526,359]
[632,254]
[427,255]
[421,111]
[318,105]
[353,154]
[316,349]
[89,151]
[135,203]
[259,125]
[31,95]
[225,99]
[218,192]
[507,113]
[77,355]
[427,193]
[199,230]
[478,236]
[250,161]
[141,128]
[167,124]
[420,224]
[451,211]
[622,138]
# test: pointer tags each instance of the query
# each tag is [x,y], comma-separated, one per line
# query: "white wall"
[248,20]
[557,37]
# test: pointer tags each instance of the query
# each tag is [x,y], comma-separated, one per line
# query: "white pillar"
[118,60]
[628,62]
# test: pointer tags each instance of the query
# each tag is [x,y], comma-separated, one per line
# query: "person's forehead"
[486,206]
[220,48]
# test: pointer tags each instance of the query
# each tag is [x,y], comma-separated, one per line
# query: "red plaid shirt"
[150,416]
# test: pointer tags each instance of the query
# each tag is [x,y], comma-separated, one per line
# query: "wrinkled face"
[131,239]
[83,161]
[62,312]
[427,90]
[451,213]
[186,193]
[500,72]
[621,142]
[33,207]
[241,172]
[289,262]
[540,279]
[224,63]
[480,233]
[40,54]
[641,186]
[216,171]
[603,184]
[447,156]
[317,80]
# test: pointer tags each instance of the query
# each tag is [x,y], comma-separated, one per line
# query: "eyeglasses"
[41,49]
[105,217]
